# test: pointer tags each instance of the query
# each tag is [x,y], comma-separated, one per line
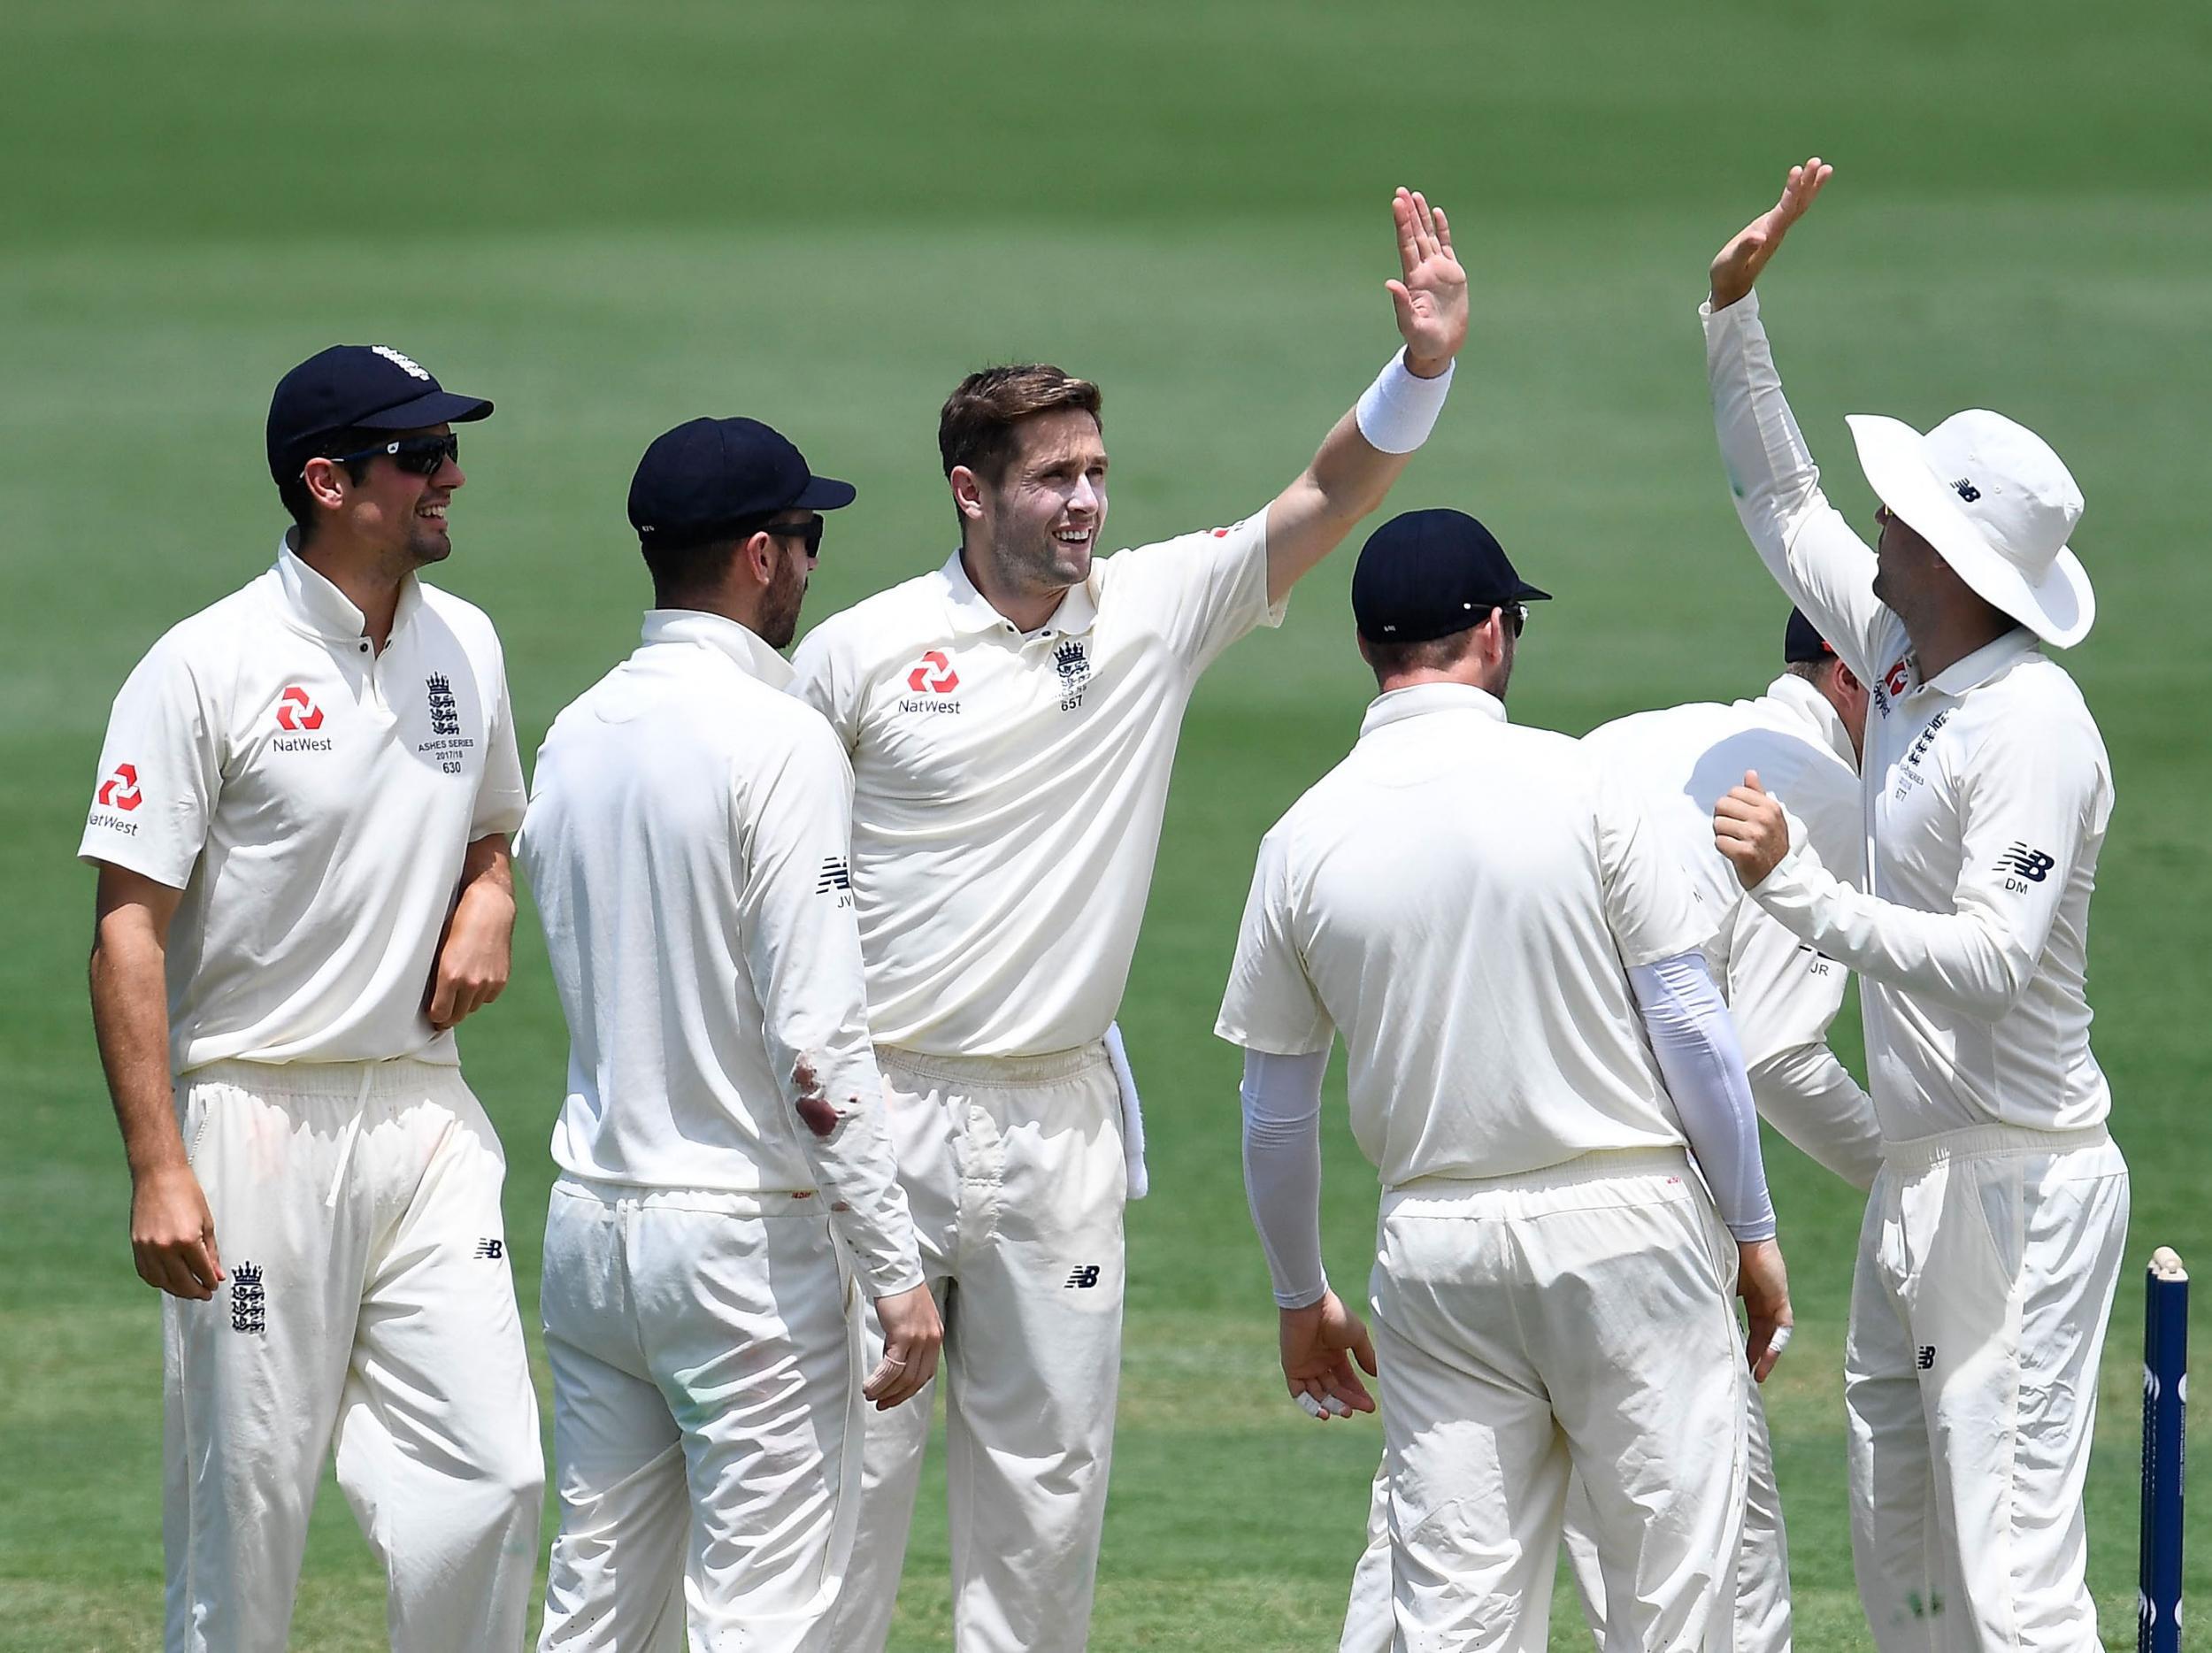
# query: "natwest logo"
[119,790]
[296,713]
[934,675]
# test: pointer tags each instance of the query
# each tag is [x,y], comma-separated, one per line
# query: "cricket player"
[301,829]
[688,844]
[1011,718]
[1992,1244]
[1802,735]
[1515,958]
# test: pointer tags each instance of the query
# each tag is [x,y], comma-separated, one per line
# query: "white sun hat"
[1997,504]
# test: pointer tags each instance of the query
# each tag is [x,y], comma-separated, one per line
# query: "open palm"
[1737,266]
[1430,293]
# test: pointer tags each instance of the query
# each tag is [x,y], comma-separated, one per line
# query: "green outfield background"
[611,218]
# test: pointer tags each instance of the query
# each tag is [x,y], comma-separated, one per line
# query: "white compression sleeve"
[1702,1064]
[1282,1169]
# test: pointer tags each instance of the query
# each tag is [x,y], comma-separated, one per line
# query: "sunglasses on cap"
[418,456]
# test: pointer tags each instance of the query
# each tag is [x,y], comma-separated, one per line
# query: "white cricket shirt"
[1782,993]
[686,846]
[1464,899]
[313,800]
[1007,788]
[1985,797]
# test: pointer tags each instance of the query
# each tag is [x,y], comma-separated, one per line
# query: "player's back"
[639,848]
[1465,895]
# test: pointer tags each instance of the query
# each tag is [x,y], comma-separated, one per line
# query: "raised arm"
[1805,543]
[1363,455]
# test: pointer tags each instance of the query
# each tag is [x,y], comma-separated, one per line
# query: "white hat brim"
[2060,608]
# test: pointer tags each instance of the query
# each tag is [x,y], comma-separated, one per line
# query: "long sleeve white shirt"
[687,842]
[1987,792]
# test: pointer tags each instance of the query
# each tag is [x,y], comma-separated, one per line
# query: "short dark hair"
[1811,671]
[1431,654]
[977,425]
[293,490]
[687,570]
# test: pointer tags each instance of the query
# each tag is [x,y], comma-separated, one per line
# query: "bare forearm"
[130,1017]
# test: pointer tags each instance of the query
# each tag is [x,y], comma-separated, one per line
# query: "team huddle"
[841,941]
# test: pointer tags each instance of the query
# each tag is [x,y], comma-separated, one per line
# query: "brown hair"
[976,427]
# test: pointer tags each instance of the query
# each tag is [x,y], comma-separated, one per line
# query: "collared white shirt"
[1782,993]
[1985,797]
[1464,899]
[313,799]
[687,844]
[1009,789]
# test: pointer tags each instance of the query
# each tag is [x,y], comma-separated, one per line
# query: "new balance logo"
[1966,491]
[2020,862]
[1083,1278]
[836,874]
[249,1304]
[1925,1358]
[493,1249]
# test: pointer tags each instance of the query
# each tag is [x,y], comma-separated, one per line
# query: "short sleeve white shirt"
[1009,789]
[1464,899]
[313,799]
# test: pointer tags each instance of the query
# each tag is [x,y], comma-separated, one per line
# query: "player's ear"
[758,555]
[1846,681]
[967,493]
[326,480]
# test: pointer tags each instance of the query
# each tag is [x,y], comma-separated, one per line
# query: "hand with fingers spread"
[173,1233]
[1319,1343]
[1737,266]
[912,1334]
[1764,1286]
[1751,830]
[1431,291]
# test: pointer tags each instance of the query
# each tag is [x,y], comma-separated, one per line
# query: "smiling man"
[301,830]
[1012,719]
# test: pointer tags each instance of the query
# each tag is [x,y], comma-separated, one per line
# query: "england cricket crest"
[1074,667]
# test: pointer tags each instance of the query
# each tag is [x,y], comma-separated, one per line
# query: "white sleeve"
[1201,591]
[802,952]
[1282,1169]
[501,797]
[2032,801]
[1826,569]
[1812,1100]
[1270,1003]
[1695,1044]
[161,771]
[823,676]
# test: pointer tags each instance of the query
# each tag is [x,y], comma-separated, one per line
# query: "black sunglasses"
[418,456]
[810,532]
[1515,615]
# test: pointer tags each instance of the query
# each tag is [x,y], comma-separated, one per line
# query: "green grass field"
[611,219]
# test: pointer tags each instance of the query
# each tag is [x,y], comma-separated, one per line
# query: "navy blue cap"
[355,386]
[710,476]
[1801,640]
[1429,574]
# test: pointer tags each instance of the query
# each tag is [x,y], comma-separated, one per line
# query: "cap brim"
[2060,608]
[1530,594]
[825,493]
[435,407]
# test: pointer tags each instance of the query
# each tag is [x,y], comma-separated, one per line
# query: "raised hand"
[1430,295]
[1737,266]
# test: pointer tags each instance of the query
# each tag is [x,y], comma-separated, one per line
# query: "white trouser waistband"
[1983,1141]
[995,1072]
[718,1202]
[1596,1166]
[356,1082]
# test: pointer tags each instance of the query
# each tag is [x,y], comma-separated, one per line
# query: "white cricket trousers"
[1013,1170]
[1763,1560]
[1576,1319]
[706,1419]
[369,1306]
[1987,1270]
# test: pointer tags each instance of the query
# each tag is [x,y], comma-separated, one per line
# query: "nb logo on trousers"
[1084,1278]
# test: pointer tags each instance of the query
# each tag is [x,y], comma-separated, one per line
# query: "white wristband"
[1398,410]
